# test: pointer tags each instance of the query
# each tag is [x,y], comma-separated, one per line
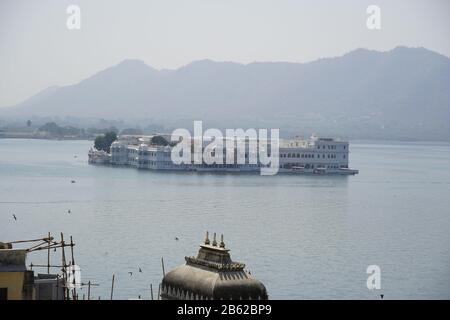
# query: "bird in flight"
[14,216]
[130,273]
[68,211]
[140,270]
[176,239]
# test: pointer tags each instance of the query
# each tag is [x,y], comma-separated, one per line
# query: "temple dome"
[212,275]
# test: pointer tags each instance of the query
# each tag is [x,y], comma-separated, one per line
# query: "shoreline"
[355,141]
[34,137]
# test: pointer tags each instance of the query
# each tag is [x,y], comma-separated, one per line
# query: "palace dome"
[212,275]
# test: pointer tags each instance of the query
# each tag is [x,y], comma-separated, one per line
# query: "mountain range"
[403,93]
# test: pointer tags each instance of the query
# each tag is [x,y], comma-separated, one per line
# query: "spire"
[222,244]
[214,240]
[207,238]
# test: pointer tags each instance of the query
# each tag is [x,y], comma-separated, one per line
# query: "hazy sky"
[37,50]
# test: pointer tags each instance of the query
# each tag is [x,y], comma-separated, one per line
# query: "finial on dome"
[214,240]
[207,238]
[222,244]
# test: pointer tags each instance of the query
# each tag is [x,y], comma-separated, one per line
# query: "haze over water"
[304,237]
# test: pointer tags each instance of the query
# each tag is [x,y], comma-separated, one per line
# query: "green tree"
[158,140]
[55,130]
[51,128]
[103,142]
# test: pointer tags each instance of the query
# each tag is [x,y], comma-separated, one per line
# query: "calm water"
[304,237]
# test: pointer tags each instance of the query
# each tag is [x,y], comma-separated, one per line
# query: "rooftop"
[13,260]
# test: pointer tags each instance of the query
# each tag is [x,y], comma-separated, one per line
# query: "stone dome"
[212,275]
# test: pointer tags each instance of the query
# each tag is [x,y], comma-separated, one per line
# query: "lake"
[304,237]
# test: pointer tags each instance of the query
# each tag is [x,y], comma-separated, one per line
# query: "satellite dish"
[73,276]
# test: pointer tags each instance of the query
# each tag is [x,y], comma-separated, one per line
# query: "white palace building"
[309,156]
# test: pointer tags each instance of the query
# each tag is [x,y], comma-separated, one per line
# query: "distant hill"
[400,94]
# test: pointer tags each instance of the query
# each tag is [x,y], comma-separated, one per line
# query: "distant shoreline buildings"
[308,156]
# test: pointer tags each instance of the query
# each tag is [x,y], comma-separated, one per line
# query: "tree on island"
[103,142]
[159,141]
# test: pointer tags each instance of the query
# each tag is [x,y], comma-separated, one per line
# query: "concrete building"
[16,282]
[306,156]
